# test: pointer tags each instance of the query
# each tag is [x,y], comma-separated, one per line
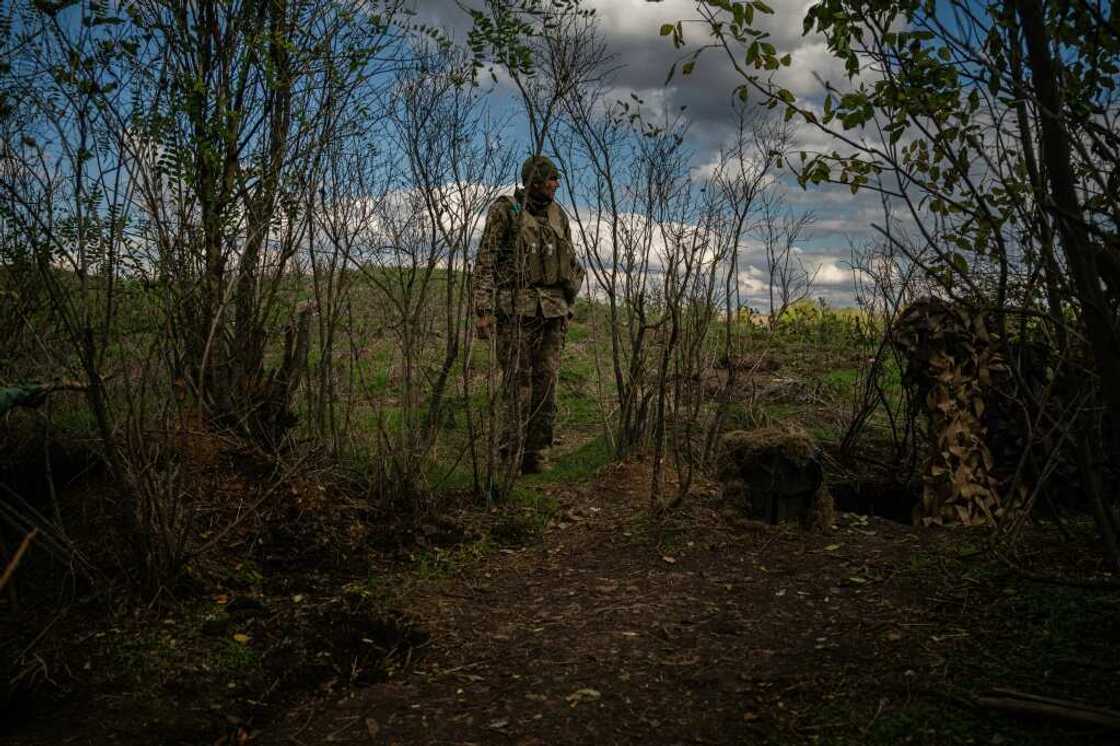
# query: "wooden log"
[1023,703]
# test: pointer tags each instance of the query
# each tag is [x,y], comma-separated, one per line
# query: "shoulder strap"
[509,204]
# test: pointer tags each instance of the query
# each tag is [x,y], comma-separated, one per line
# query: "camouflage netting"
[774,474]
[952,365]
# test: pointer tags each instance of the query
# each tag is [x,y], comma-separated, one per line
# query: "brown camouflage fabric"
[527,275]
[526,264]
[529,352]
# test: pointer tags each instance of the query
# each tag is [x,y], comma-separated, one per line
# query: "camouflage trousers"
[529,353]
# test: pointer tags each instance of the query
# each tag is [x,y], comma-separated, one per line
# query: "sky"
[631,31]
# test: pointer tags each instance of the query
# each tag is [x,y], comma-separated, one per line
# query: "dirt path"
[704,630]
[605,628]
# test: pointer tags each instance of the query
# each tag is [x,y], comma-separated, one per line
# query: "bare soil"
[705,628]
[601,625]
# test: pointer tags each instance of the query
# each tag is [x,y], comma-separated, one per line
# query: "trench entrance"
[883,499]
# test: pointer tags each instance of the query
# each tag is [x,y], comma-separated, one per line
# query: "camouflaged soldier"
[526,279]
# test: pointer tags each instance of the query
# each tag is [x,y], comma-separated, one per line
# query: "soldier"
[526,279]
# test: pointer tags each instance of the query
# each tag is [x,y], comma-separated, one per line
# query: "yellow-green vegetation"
[815,363]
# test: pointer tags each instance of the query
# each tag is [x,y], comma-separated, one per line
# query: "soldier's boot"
[534,462]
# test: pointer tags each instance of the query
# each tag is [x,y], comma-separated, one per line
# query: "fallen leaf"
[670,560]
[372,727]
[832,547]
[241,638]
[297,598]
[859,580]
[221,598]
[583,695]
[498,724]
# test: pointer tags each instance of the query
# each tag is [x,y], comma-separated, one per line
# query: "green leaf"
[666,29]
[686,68]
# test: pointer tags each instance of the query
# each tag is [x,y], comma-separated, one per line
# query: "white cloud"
[630,30]
[831,272]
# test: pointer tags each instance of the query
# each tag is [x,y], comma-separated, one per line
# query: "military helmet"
[538,168]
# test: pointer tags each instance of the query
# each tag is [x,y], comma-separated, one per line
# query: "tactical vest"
[538,253]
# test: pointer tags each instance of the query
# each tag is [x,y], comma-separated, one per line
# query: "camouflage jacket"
[526,265]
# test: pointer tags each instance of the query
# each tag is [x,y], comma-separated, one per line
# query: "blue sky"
[631,31]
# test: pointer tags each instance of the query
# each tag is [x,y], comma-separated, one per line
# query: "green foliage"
[816,321]
[935,103]
[502,34]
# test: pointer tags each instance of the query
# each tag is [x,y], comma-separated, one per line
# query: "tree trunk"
[1081,252]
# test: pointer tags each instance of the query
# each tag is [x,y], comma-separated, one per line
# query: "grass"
[236,658]
[576,466]
[579,333]
[842,378]
[440,563]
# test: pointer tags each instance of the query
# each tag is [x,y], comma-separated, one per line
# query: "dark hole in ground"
[24,468]
[889,500]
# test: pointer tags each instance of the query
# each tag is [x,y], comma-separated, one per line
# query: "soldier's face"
[548,187]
